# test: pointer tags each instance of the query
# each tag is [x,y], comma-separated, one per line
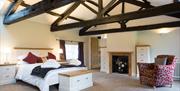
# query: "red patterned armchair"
[157,75]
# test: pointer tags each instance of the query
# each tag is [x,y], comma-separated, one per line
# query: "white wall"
[25,34]
[118,42]
[125,42]
[73,35]
[33,34]
[161,43]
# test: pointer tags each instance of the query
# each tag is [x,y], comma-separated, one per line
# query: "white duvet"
[24,74]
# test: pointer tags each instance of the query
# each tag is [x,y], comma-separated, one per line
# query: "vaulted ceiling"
[88,9]
[82,12]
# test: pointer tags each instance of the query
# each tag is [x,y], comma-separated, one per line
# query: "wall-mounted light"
[105,36]
[5,55]
[7,50]
[164,30]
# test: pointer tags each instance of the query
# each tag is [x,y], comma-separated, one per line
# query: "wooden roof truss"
[103,17]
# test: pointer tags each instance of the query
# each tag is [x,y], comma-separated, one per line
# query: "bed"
[51,78]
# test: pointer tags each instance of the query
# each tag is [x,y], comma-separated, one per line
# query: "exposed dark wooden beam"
[177,15]
[139,3]
[107,7]
[84,29]
[100,7]
[36,9]
[123,23]
[90,8]
[113,6]
[13,7]
[53,13]
[175,1]
[100,15]
[60,15]
[147,5]
[66,13]
[135,28]
[161,10]
[92,2]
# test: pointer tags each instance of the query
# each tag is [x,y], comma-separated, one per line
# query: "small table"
[7,73]
[75,80]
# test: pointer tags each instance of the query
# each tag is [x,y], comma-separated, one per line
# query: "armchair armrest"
[164,68]
[164,72]
[146,69]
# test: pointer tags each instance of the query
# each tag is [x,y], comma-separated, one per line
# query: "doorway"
[95,53]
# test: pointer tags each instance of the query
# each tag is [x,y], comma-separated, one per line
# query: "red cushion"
[51,56]
[31,58]
[39,60]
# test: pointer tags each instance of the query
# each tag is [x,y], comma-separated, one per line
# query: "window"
[71,50]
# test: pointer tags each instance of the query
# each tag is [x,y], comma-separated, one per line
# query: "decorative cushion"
[51,56]
[31,58]
[39,60]
[74,62]
[161,61]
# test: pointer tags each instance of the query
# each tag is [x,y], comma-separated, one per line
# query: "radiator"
[177,71]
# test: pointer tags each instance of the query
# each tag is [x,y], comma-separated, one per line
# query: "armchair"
[157,75]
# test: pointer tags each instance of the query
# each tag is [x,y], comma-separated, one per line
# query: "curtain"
[81,52]
[62,46]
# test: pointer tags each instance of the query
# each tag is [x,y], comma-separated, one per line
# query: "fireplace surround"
[124,55]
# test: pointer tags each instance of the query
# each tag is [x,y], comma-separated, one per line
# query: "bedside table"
[7,72]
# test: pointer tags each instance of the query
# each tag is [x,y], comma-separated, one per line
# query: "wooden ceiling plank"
[161,10]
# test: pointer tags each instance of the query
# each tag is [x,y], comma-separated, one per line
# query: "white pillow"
[21,57]
[75,62]
[21,62]
[51,63]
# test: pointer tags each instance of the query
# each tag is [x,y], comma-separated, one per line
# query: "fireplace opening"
[120,64]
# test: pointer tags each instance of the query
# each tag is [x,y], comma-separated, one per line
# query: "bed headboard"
[19,51]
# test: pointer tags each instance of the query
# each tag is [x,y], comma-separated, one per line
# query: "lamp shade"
[60,51]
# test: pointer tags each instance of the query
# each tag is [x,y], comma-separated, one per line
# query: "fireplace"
[120,62]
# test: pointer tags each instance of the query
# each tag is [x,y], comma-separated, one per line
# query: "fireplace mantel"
[116,53]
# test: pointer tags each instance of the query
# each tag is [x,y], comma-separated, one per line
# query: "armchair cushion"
[161,61]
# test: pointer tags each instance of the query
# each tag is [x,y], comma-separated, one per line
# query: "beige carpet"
[102,82]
